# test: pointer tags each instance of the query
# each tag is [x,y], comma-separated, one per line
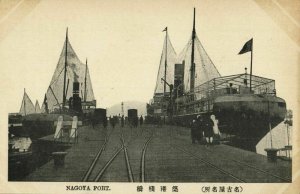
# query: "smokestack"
[75,88]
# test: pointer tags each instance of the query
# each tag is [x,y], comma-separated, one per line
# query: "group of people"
[114,120]
[205,127]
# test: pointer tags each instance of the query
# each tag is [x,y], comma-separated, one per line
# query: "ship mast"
[24,102]
[65,73]
[85,80]
[165,75]
[192,83]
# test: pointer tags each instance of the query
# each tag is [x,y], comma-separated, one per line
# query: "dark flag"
[166,29]
[247,47]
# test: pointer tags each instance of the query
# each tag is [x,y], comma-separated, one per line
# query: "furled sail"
[76,71]
[27,106]
[168,55]
[204,68]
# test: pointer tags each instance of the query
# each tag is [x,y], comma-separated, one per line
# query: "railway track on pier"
[143,160]
[243,165]
[211,165]
[92,166]
[115,159]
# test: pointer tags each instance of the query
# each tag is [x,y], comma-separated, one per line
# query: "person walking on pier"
[208,131]
[111,121]
[105,122]
[94,121]
[200,128]
[194,128]
[217,134]
[122,121]
[141,120]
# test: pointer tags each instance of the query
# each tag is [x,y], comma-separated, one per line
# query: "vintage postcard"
[166,96]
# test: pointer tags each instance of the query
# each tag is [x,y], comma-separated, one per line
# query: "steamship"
[189,84]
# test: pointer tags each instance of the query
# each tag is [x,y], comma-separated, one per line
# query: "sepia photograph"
[139,96]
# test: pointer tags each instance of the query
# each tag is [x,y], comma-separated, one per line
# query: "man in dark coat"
[201,126]
[122,121]
[141,120]
[208,130]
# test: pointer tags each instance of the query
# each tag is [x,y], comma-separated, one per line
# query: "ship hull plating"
[245,118]
[248,117]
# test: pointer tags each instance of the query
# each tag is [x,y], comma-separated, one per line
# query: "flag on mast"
[247,47]
[166,29]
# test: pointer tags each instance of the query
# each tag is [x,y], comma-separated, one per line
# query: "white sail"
[168,53]
[75,72]
[204,68]
[27,106]
[37,107]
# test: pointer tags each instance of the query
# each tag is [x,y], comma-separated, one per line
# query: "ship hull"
[251,110]
[245,118]
[15,125]
[17,130]
[40,125]
[248,117]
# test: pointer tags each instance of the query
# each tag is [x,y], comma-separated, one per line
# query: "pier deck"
[169,157]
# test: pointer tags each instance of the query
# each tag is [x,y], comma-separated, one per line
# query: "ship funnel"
[75,88]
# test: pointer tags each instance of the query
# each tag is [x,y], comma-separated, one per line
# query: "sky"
[123,42]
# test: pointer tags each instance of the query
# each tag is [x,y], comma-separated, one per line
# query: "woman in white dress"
[217,134]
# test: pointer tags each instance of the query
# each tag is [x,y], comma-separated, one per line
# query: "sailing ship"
[189,84]
[69,93]
[15,125]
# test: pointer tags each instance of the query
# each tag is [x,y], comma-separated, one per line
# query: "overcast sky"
[123,42]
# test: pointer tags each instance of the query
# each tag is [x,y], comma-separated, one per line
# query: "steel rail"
[109,162]
[142,168]
[260,170]
[263,171]
[101,172]
[210,164]
[93,164]
[129,171]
